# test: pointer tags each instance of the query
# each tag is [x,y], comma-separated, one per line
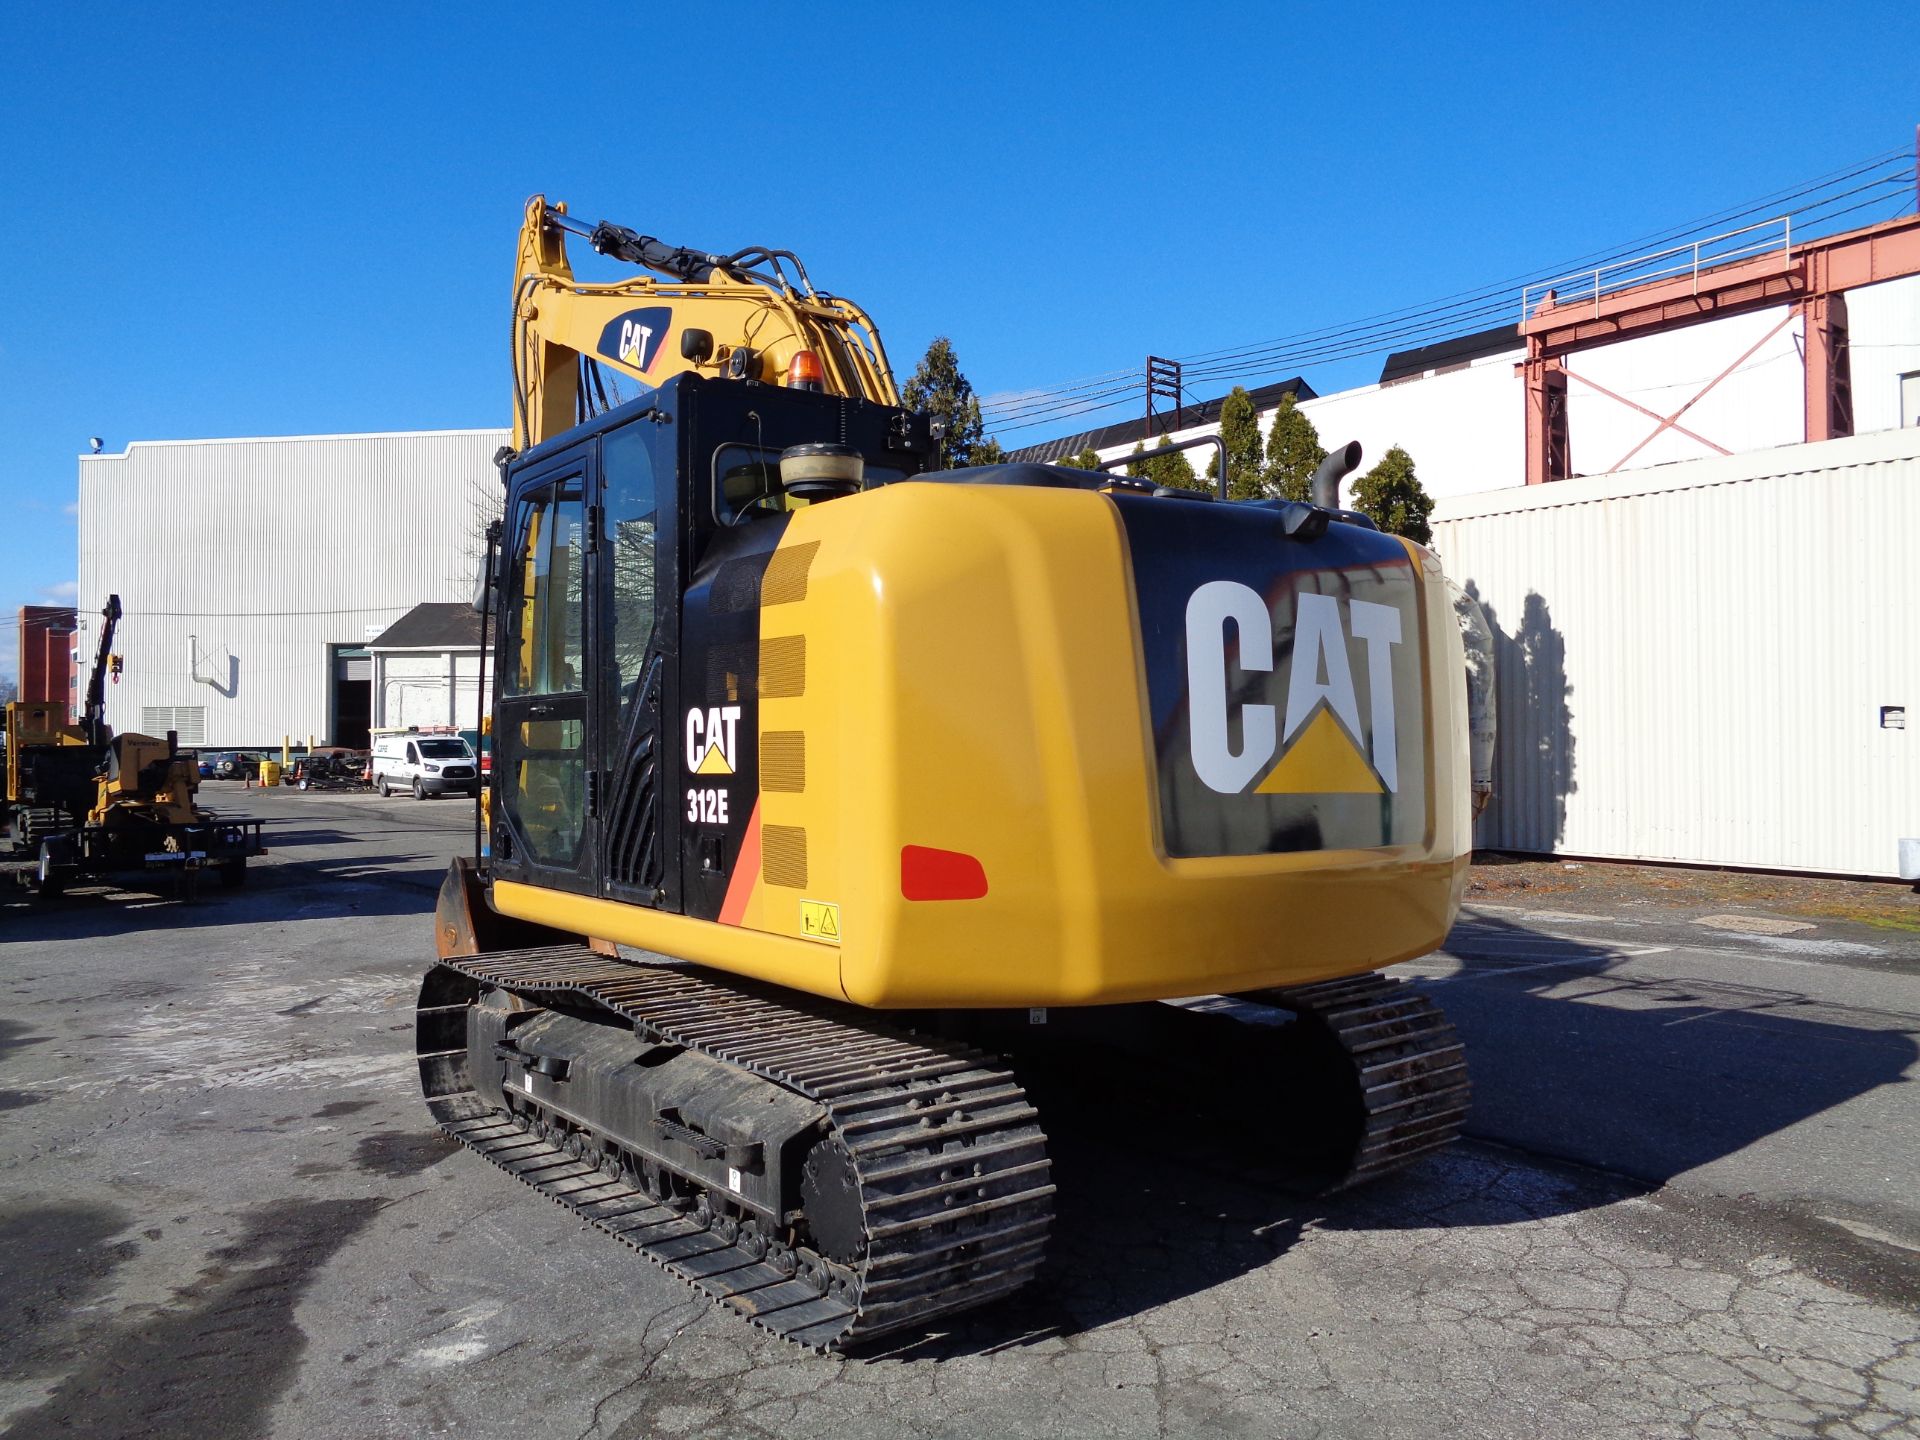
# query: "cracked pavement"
[1690,1206]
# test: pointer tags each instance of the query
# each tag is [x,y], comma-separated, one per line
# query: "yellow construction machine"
[84,802]
[817,769]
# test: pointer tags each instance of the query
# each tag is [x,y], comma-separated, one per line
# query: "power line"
[1487,299]
[1035,402]
[1446,317]
[1586,262]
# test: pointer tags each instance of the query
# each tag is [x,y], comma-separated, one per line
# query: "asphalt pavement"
[1688,1203]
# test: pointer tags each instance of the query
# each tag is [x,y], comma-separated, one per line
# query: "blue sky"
[279,219]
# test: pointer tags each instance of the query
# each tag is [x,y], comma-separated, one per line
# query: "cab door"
[637,519]
[545,788]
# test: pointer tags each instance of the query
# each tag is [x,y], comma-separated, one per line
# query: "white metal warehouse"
[253,572]
[1710,662]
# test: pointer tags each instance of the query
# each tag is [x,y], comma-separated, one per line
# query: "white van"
[425,764]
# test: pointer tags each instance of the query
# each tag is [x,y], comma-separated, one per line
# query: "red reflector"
[929,874]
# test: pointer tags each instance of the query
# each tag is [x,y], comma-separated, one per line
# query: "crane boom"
[94,717]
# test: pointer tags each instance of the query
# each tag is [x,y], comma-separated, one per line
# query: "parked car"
[426,765]
[229,765]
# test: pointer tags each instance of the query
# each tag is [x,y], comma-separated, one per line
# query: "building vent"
[188,721]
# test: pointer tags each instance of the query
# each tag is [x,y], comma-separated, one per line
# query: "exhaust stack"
[1325,485]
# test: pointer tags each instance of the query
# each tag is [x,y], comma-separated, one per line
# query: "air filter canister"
[821,472]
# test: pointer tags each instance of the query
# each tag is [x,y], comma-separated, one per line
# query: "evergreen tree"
[1240,429]
[987,452]
[1087,459]
[941,391]
[1174,471]
[1294,451]
[1390,495]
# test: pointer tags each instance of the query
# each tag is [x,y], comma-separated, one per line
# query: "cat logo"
[1319,740]
[711,735]
[632,347]
[634,338]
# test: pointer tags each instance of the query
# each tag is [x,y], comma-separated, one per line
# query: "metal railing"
[1624,274]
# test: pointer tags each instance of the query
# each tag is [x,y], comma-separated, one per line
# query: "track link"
[953,1178]
[1407,1062]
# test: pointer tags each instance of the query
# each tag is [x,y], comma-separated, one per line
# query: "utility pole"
[1163,383]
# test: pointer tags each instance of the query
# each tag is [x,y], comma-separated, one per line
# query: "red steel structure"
[1811,278]
[46,656]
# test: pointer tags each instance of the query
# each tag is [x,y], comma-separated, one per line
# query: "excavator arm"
[750,315]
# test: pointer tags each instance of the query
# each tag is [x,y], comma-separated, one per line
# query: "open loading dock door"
[351,723]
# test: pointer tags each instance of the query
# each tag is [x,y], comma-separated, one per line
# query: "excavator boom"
[579,348]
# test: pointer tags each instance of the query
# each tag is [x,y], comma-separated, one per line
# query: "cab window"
[548,641]
[546,613]
[632,522]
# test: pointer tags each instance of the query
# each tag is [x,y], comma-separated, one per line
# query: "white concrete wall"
[1462,427]
[1760,405]
[424,688]
[1465,429]
[1693,659]
[1883,323]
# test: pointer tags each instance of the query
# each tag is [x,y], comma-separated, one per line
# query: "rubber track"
[951,1159]
[1408,1061]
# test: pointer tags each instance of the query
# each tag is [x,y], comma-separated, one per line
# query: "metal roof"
[435,625]
[1445,354]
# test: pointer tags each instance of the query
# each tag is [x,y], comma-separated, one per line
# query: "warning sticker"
[820,921]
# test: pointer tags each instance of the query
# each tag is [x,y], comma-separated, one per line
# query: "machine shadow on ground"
[1649,1077]
[1159,1201]
[297,890]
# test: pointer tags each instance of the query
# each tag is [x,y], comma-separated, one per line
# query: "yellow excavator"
[85,803]
[818,770]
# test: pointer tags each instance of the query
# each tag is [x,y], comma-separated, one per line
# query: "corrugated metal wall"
[1694,658]
[269,553]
